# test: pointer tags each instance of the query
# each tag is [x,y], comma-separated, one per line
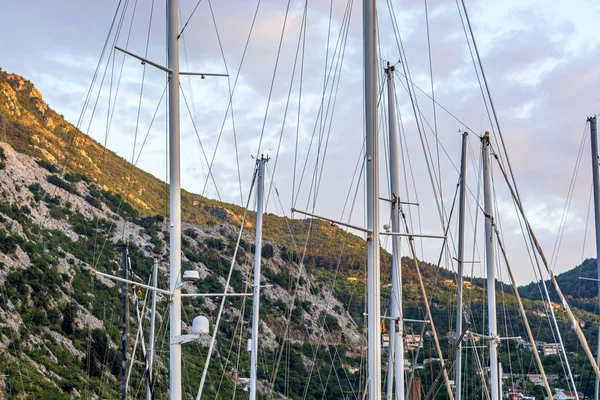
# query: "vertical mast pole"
[152,324]
[491,273]
[461,255]
[124,314]
[595,177]
[175,196]
[396,349]
[373,257]
[257,259]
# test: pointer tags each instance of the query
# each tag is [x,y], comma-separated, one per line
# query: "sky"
[539,57]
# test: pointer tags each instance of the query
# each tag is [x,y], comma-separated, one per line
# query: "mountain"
[67,205]
[35,129]
[579,293]
[55,231]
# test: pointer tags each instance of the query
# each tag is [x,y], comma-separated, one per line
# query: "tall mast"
[175,196]
[461,255]
[124,315]
[491,275]
[373,258]
[594,140]
[396,348]
[257,259]
[152,324]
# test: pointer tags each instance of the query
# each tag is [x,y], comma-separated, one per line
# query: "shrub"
[57,181]
[53,316]
[93,201]
[57,212]
[68,318]
[158,244]
[37,191]
[8,243]
[332,323]
[190,233]
[50,167]
[267,250]
[214,243]
[75,177]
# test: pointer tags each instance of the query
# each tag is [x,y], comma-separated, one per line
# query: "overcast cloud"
[540,58]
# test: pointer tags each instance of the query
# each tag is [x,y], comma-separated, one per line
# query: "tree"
[267,250]
[68,319]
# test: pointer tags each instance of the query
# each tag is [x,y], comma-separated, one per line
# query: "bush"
[332,323]
[57,212]
[8,243]
[93,201]
[37,191]
[213,243]
[75,177]
[50,167]
[267,250]
[53,316]
[68,318]
[66,386]
[158,244]
[57,181]
[190,233]
[117,205]
[51,199]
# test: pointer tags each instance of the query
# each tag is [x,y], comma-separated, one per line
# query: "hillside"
[55,231]
[579,293]
[35,129]
[60,325]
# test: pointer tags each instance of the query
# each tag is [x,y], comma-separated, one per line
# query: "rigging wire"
[189,19]
[272,85]
[510,171]
[334,71]
[570,193]
[227,285]
[232,91]
[301,36]
[299,109]
[322,325]
[235,143]
[200,142]
[549,271]
[433,98]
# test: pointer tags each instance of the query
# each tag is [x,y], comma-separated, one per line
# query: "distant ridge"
[580,293]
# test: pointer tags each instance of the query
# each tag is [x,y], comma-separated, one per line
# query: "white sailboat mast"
[396,348]
[372,178]
[149,388]
[491,269]
[257,260]
[595,178]
[460,273]
[175,197]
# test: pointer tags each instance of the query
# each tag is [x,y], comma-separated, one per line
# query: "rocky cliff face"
[58,229]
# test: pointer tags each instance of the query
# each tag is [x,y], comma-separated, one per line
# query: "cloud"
[540,66]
